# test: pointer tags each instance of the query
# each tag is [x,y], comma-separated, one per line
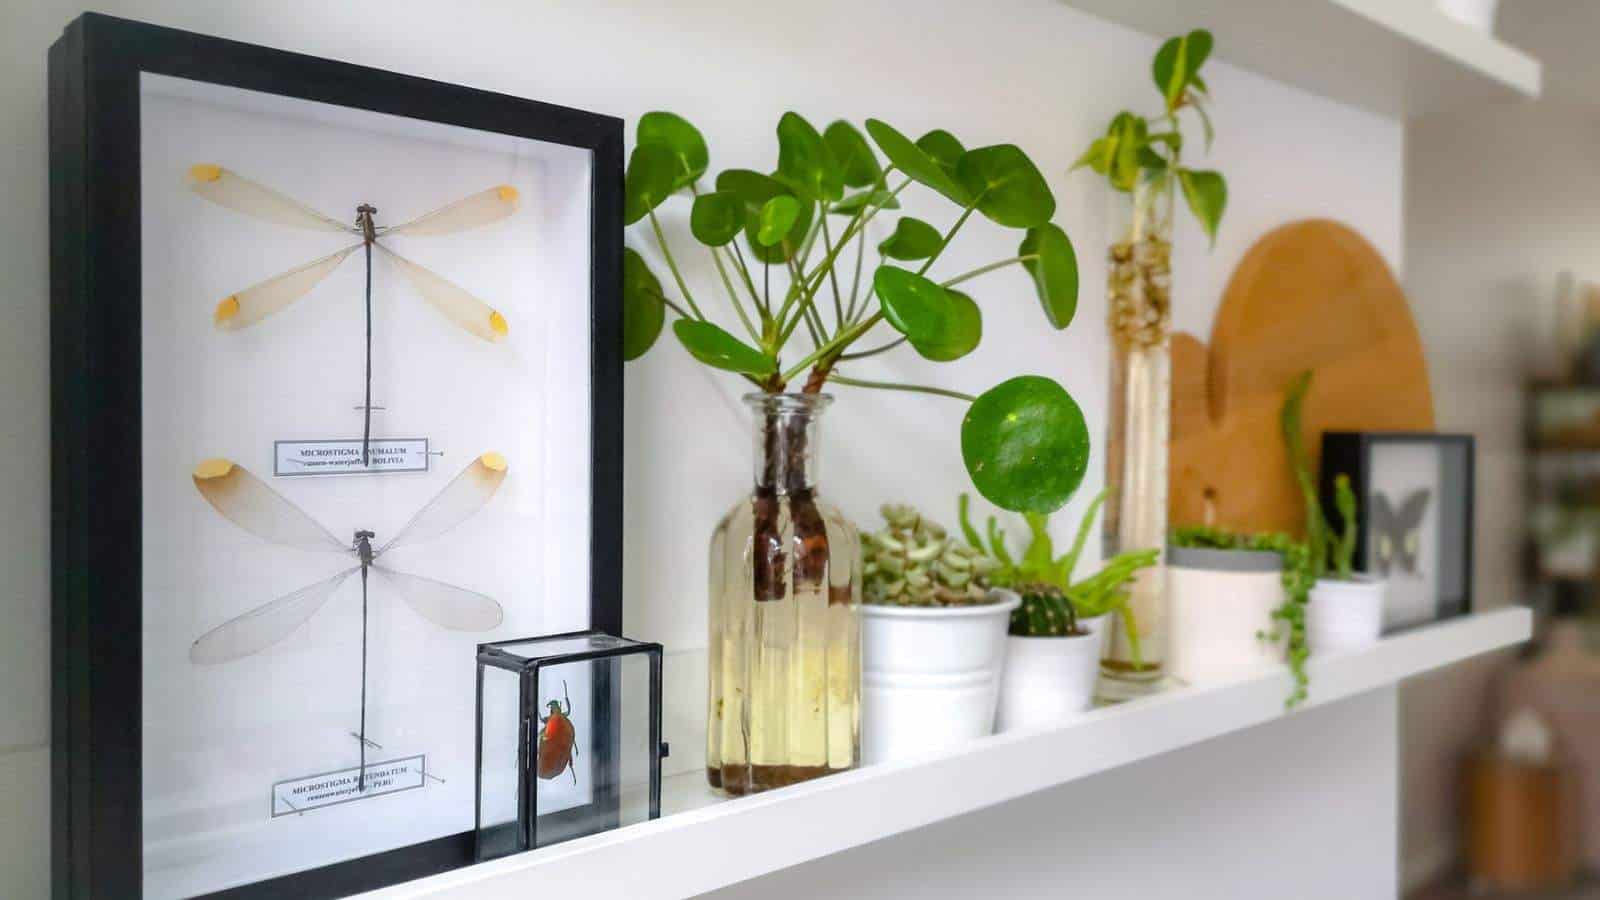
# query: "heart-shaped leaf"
[1129,134]
[1054,271]
[1099,155]
[853,204]
[643,310]
[804,161]
[775,219]
[715,347]
[1025,445]
[912,239]
[944,148]
[684,140]
[1006,186]
[1207,195]
[1177,64]
[716,218]
[650,179]
[914,161]
[963,329]
[857,163]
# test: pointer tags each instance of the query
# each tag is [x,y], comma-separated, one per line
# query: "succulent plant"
[913,561]
[1046,611]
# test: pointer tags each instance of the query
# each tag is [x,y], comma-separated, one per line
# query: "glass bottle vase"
[785,637]
[1139,303]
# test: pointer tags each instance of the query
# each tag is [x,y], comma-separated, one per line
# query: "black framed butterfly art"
[1415,525]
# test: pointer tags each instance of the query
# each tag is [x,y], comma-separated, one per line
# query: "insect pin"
[557,740]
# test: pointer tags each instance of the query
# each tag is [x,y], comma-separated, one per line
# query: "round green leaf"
[719,349]
[776,218]
[944,148]
[643,310]
[753,188]
[649,181]
[788,244]
[716,218]
[853,204]
[857,163]
[1055,272]
[684,140]
[912,239]
[1025,445]
[914,161]
[916,307]
[1006,186]
[804,161]
[962,330]
[1207,195]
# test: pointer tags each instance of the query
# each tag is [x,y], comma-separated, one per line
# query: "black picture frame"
[1351,453]
[95,313]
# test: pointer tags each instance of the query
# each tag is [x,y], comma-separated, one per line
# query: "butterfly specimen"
[1397,535]
[249,503]
[251,305]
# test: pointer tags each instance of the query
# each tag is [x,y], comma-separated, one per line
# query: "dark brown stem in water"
[784,472]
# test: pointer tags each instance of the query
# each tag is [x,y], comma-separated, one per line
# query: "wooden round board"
[1309,295]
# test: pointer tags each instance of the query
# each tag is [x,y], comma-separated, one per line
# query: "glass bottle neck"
[785,440]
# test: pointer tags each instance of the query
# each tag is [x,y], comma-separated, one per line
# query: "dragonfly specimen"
[249,503]
[249,306]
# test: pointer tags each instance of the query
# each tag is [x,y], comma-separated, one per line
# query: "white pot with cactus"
[933,639]
[1346,609]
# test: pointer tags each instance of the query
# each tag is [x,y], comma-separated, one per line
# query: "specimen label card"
[330,788]
[294,458]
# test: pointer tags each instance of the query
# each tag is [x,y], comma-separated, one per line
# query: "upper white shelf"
[1399,58]
[756,835]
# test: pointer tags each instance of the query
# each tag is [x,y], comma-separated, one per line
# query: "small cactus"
[1045,612]
[912,561]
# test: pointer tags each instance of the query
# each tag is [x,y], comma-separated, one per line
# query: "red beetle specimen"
[557,740]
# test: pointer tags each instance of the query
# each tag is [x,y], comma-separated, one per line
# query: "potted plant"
[1142,159]
[788,248]
[1346,607]
[1056,634]
[933,641]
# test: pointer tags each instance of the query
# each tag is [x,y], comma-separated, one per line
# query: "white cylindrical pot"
[930,675]
[1220,603]
[1477,13]
[1344,615]
[1049,680]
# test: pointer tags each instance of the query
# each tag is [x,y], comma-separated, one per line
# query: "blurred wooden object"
[1309,295]
[1521,824]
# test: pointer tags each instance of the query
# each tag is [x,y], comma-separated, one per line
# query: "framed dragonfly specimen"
[235,716]
[253,304]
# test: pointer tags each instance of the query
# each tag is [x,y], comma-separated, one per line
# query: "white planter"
[1345,615]
[1477,13]
[1049,679]
[930,675]
[1220,601]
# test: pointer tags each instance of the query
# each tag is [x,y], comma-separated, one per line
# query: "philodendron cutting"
[782,247]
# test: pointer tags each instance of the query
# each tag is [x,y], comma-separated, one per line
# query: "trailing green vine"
[1299,575]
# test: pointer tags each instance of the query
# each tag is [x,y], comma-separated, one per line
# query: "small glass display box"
[569,739]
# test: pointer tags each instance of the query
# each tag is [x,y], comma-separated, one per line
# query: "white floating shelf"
[1399,58]
[703,842]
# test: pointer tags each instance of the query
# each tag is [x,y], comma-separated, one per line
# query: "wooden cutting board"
[1309,295]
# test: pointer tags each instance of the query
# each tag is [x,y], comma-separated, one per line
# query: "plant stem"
[988,268]
[855,283]
[875,350]
[833,275]
[676,308]
[839,342]
[750,285]
[805,290]
[947,238]
[661,241]
[733,295]
[892,386]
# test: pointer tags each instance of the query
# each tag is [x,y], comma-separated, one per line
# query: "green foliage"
[1344,546]
[789,250]
[1038,568]
[1299,576]
[1137,148]
[1289,418]
[913,561]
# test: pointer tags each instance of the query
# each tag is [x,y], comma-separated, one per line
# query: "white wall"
[1498,201]
[1033,72]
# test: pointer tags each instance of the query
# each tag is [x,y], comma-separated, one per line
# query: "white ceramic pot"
[1219,603]
[1344,615]
[930,675]
[1477,13]
[1049,679]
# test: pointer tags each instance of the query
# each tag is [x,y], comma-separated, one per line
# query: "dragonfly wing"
[458,306]
[265,625]
[461,498]
[253,304]
[481,208]
[240,194]
[247,502]
[446,605]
